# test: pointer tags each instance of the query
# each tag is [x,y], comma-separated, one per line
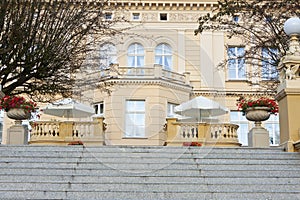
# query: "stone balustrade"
[115,71]
[67,132]
[215,134]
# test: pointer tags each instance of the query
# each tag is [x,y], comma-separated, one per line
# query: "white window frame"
[166,54]
[136,55]
[107,55]
[99,108]
[268,71]
[272,125]
[236,63]
[138,115]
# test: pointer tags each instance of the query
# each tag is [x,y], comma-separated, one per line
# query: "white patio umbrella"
[201,107]
[68,108]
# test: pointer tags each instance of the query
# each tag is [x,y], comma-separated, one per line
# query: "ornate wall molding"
[158,82]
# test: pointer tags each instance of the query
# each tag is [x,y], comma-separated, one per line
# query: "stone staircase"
[114,172]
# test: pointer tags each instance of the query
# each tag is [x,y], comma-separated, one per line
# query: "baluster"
[188,132]
[56,129]
[230,129]
[184,130]
[80,129]
[35,130]
[42,129]
[47,129]
[193,135]
[221,131]
[39,129]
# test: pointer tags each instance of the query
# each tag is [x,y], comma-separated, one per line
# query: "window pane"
[108,55]
[135,56]
[236,63]
[237,117]
[135,106]
[135,119]
[268,69]
[163,56]
[272,125]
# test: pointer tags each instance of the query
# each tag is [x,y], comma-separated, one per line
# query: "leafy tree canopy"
[258,24]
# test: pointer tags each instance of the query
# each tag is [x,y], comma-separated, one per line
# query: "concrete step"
[129,195]
[77,172]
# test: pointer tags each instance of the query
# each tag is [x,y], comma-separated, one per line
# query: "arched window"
[108,55]
[136,55]
[163,56]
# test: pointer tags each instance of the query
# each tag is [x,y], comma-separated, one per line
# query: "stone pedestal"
[258,137]
[17,134]
[289,115]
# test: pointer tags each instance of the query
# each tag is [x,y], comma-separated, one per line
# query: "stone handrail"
[45,129]
[223,134]
[115,71]
[63,133]
[223,131]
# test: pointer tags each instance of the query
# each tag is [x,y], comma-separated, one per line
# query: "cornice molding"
[163,5]
[154,5]
[159,82]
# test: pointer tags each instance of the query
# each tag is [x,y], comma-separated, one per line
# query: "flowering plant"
[9,102]
[194,144]
[243,104]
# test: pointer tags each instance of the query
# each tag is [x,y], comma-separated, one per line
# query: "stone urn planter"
[18,114]
[258,136]
[258,110]
[17,108]
[258,114]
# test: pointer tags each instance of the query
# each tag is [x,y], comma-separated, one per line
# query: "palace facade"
[160,63]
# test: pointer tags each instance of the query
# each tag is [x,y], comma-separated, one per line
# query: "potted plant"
[17,107]
[257,109]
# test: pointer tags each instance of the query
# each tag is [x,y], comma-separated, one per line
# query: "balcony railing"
[63,133]
[223,134]
[115,71]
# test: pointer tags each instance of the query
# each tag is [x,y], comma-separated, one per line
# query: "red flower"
[243,104]
[9,102]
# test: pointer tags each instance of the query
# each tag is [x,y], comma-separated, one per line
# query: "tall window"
[136,55]
[236,117]
[163,56]
[272,125]
[108,55]
[99,108]
[135,118]
[268,70]
[236,63]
